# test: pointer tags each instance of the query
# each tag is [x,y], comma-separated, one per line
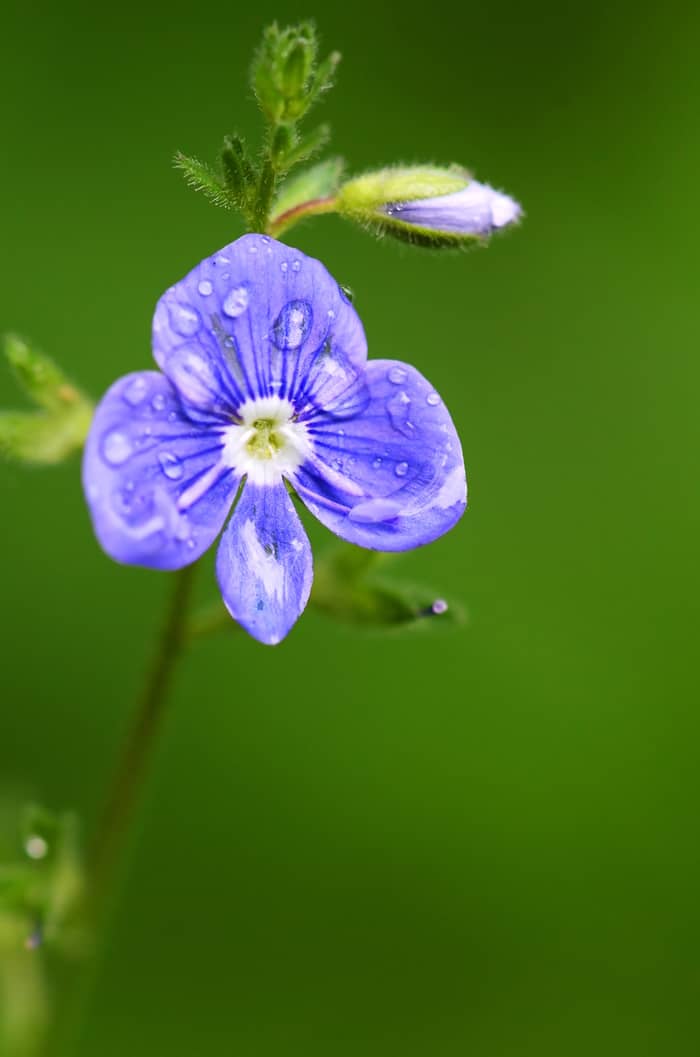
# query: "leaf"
[347,588]
[201,177]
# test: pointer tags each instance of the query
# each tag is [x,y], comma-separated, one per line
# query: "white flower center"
[267,444]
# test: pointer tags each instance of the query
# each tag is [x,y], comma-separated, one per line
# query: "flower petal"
[249,322]
[157,491]
[264,564]
[391,478]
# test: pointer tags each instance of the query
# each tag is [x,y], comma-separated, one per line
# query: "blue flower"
[263,380]
[477,210]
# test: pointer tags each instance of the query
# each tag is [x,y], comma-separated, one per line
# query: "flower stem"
[313,207]
[136,754]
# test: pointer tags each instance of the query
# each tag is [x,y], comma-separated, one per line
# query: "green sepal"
[365,199]
[50,435]
[319,181]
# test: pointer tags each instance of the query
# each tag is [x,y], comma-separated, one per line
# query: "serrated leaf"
[201,177]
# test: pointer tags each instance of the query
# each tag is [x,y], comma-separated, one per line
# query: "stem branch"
[314,207]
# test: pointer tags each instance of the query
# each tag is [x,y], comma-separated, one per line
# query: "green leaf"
[347,588]
[324,78]
[201,177]
[320,181]
[237,168]
[41,379]
[51,434]
[307,146]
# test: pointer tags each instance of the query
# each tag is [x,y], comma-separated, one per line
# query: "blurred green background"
[479,842]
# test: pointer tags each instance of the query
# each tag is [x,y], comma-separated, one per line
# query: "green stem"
[314,207]
[137,752]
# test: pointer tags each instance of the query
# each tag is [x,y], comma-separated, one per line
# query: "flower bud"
[428,206]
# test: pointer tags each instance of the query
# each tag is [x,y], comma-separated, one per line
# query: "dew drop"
[172,416]
[116,448]
[284,267]
[236,301]
[292,325]
[191,544]
[136,391]
[377,463]
[433,399]
[399,408]
[205,287]
[439,606]
[397,375]
[296,265]
[170,465]
[158,402]
[401,469]
[331,314]
[185,319]
[222,260]
[36,847]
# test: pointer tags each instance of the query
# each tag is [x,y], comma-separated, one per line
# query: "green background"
[354,845]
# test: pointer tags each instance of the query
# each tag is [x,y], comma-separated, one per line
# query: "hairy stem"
[136,754]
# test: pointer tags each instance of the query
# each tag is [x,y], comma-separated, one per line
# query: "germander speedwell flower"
[265,380]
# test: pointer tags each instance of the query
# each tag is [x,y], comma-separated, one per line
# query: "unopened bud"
[427,205]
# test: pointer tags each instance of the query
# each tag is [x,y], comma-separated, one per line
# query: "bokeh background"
[483,841]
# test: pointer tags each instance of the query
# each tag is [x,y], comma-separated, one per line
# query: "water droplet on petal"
[222,261]
[374,511]
[116,448]
[205,287]
[170,465]
[185,319]
[397,375]
[399,408]
[158,402]
[284,266]
[236,301]
[172,416]
[296,265]
[433,399]
[292,325]
[401,469]
[377,463]
[136,391]
[191,544]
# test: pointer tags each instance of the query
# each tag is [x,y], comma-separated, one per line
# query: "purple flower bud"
[477,210]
